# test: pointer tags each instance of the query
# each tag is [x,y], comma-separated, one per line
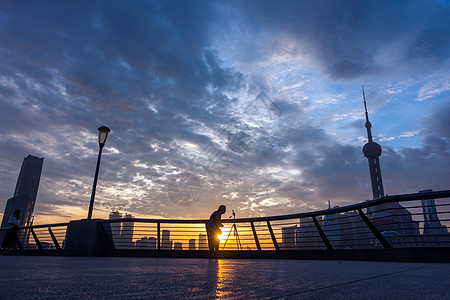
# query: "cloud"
[383,138]
[410,133]
[434,88]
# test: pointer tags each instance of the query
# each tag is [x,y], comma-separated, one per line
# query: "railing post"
[274,240]
[374,230]
[207,238]
[158,229]
[36,239]
[55,241]
[255,236]
[322,234]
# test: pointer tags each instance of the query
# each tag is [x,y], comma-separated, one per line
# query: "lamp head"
[102,135]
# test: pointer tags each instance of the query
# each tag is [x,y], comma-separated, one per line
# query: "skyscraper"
[202,242]
[26,190]
[192,244]
[354,232]
[288,237]
[306,235]
[331,228]
[166,243]
[126,232]
[115,228]
[432,224]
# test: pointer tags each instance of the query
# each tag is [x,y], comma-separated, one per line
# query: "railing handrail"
[40,226]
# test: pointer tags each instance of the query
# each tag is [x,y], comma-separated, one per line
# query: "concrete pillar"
[88,238]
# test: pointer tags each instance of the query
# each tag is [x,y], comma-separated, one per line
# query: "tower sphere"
[371,149]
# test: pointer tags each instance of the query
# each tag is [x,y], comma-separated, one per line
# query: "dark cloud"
[439,120]
[353,38]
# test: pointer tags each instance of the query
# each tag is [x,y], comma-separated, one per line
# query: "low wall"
[426,254]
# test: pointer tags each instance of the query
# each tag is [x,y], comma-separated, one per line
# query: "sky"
[253,104]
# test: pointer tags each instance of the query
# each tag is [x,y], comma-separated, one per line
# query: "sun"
[225,231]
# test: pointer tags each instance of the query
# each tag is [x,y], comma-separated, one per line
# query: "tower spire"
[368,124]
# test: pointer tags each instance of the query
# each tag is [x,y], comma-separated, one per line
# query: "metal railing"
[387,222]
[410,220]
[41,237]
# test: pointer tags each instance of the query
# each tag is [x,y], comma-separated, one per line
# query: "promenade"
[32,277]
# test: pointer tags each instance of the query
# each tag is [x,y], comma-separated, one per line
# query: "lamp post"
[102,135]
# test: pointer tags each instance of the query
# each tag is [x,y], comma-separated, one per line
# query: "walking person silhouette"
[10,239]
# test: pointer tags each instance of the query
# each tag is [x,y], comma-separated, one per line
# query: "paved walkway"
[26,277]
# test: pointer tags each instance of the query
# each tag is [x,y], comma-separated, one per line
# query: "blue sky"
[253,104]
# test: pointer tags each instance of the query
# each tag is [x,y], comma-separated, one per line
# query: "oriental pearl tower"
[388,216]
[372,152]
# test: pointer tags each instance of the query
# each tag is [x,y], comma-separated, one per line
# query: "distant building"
[192,244]
[126,233]
[306,235]
[432,225]
[354,232]
[202,242]
[347,230]
[25,193]
[115,228]
[403,221]
[177,246]
[152,242]
[166,243]
[383,221]
[288,237]
[146,243]
[331,227]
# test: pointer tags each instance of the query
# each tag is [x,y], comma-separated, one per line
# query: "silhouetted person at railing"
[10,239]
[213,228]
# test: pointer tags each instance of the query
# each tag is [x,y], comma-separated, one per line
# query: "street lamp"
[102,135]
